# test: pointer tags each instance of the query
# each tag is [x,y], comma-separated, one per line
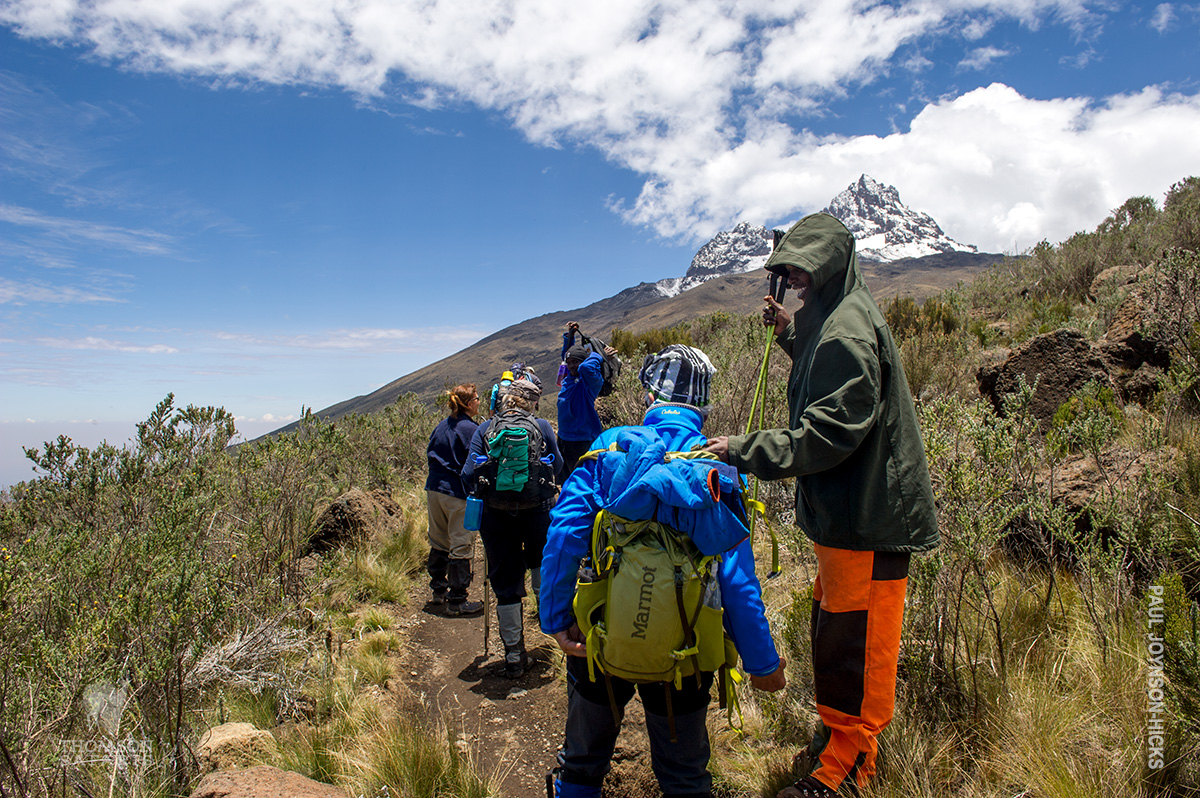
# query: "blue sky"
[270,204]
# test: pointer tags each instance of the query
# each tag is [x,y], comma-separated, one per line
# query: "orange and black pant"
[858,608]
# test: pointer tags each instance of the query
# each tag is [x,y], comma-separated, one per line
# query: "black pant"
[681,766]
[571,452]
[513,540]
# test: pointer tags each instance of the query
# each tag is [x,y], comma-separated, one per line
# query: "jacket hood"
[822,246]
[700,497]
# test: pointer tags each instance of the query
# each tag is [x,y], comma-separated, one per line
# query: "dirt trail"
[512,727]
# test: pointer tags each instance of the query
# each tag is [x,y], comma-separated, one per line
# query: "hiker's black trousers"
[571,451]
[681,767]
[514,541]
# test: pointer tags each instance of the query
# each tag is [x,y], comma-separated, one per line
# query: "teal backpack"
[514,475]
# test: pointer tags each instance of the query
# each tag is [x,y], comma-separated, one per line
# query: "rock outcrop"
[1135,359]
[353,517]
[1061,362]
[235,745]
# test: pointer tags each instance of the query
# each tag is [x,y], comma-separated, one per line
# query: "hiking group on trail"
[637,538]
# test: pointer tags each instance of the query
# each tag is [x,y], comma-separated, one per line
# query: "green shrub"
[1088,420]
[116,572]
[905,318]
[1180,221]
[1180,632]
[628,344]
[938,364]
[1174,317]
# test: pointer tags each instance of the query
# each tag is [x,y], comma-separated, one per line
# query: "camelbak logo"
[669,412]
[642,619]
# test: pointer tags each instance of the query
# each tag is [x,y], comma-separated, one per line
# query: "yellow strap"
[594,454]
[733,706]
[699,454]
[594,636]
[684,653]
[600,517]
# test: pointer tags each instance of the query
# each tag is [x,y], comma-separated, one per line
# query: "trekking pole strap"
[733,706]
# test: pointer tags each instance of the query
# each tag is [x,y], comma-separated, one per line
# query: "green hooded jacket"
[854,446]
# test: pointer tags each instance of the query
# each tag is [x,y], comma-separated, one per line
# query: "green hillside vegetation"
[1026,667]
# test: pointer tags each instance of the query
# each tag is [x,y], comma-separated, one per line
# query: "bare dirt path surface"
[511,727]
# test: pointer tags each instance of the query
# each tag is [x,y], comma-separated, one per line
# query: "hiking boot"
[808,760]
[438,599]
[808,787]
[512,632]
[515,663]
[457,609]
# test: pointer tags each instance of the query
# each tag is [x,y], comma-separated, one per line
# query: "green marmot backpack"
[514,477]
[649,605]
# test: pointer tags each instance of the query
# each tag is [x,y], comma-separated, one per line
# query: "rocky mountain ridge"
[743,249]
[885,228]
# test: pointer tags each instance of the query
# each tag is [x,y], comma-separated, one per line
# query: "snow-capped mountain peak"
[742,249]
[885,228]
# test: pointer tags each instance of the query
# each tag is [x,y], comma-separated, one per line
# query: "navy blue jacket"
[448,447]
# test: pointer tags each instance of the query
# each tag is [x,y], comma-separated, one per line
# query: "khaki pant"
[446,531]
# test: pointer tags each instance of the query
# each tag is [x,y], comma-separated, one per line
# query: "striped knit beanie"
[678,374]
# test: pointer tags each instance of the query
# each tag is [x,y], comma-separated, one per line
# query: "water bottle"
[712,593]
[474,514]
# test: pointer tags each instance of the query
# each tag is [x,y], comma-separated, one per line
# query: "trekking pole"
[778,289]
[759,404]
[487,604]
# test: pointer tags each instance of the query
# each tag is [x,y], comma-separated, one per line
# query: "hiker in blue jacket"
[514,539]
[677,381]
[578,421]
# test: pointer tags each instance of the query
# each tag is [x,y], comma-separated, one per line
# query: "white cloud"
[982,57]
[364,340]
[995,168]
[18,293]
[274,419]
[139,242]
[1164,14]
[704,98]
[92,343]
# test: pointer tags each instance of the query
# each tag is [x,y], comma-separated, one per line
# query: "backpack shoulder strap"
[594,454]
